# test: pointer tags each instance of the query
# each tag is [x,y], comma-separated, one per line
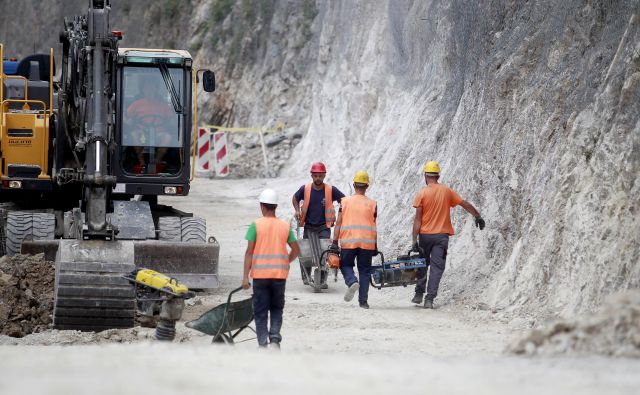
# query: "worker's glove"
[480,223]
[415,247]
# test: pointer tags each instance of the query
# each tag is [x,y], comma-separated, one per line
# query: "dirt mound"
[613,331]
[26,294]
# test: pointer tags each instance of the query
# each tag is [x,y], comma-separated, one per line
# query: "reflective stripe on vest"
[358,228]
[270,257]
[329,211]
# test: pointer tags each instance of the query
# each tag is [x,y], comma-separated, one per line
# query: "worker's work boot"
[364,305]
[417,298]
[351,291]
[274,345]
[428,303]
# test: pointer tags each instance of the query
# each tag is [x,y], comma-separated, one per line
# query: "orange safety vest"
[358,227]
[329,211]
[270,257]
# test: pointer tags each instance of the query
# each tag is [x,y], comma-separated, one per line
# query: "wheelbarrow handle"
[234,291]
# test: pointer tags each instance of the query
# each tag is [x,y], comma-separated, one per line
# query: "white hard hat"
[268,196]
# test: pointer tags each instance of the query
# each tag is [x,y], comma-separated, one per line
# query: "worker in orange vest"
[266,261]
[432,228]
[358,237]
[317,213]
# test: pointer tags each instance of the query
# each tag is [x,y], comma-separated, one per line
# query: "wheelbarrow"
[226,321]
[313,265]
[405,270]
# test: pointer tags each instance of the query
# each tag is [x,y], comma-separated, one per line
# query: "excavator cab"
[153,122]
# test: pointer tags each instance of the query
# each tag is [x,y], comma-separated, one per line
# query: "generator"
[400,272]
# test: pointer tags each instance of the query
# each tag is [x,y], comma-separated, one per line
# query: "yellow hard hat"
[361,177]
[432,167]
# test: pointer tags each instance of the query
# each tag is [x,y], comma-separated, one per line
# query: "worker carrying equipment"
[432,228]
[356,232]
[317,215]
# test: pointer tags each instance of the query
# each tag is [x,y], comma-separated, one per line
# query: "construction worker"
[357,234]
[433,225]
[266,261]
[317,214]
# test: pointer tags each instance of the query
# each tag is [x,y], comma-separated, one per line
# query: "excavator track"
[91,293]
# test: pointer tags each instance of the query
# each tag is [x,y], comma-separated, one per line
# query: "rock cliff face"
[531,108]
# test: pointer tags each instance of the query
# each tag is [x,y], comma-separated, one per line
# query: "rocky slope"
[532,110]
[530,107]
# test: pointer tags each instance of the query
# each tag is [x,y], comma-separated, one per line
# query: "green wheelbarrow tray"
[222,320]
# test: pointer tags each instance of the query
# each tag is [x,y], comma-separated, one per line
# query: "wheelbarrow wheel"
[317,280]
[222,339]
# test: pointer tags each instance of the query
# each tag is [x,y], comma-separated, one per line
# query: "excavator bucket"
[195,265]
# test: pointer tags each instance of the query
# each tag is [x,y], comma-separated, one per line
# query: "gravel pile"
[612,331]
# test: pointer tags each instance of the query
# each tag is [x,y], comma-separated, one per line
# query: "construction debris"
[26,294]
[613,331]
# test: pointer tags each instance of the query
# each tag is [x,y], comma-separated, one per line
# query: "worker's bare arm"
[247,263]
[296,207]
[336,229]
[416,225]
[295,250]
[470,209]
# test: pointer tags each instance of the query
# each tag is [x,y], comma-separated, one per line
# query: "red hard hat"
[318,167]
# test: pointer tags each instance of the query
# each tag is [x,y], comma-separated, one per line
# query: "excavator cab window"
[152,131]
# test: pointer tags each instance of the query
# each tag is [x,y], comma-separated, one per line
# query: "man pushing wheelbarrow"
[317,215]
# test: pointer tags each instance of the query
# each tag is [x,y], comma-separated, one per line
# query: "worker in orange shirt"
[432,228]
[266,261]
[356,231]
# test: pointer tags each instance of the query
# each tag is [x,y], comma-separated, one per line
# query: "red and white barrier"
[202,163]
[220,151]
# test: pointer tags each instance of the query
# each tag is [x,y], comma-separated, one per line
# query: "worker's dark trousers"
[347,262]
[435,250]
[323,233]
[268,302]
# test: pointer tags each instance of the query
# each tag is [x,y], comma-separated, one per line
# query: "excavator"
[83,160]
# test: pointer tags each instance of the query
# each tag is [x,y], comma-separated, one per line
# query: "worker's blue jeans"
[347,262]
[268,303]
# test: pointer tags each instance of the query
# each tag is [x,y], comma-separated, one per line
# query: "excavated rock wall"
[532,110]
